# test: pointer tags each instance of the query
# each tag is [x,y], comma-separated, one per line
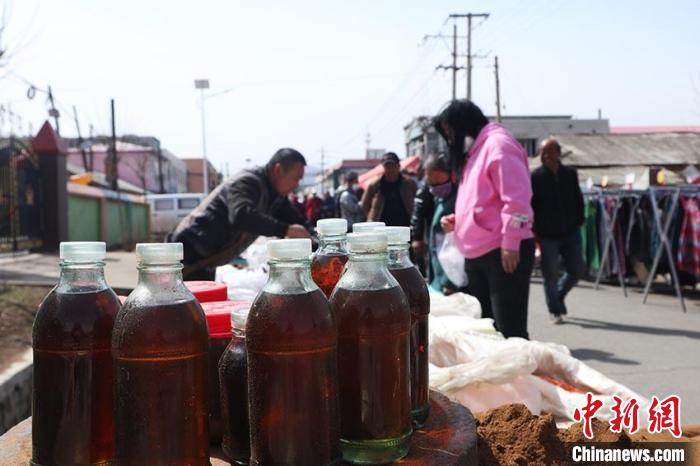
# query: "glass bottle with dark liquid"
[160,347]
[218,314]
[416,291]
[374,322]
[72,417]
[233,379]
[329,260]
[292,339]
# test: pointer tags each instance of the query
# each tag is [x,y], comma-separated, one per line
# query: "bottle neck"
[238,332]
[290,277]
[367,271]
[399,256]
[82,276]
[332,244]
[164,276]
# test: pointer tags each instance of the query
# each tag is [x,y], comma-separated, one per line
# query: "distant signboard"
[373,154]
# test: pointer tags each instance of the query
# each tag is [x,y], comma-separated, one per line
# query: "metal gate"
[20,197]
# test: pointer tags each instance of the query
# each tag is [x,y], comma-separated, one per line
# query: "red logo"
[665,415]
[587,413]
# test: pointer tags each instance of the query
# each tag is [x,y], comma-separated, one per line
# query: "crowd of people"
[479,194]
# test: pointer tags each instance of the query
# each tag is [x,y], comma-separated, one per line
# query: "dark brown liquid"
[416,292]
[326,270]
[233,377]
[72,419]
[217,346]
[160,363]
[292,385]
[373,363]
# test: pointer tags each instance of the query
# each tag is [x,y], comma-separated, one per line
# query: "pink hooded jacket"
[493,202]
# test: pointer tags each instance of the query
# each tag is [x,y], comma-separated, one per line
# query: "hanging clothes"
[688,257]
[589,235]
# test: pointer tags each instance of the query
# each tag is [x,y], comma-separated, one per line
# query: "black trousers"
[503,296]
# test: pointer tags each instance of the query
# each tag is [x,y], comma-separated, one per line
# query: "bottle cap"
[289,249]
[206,292]
[239,316]
[159,253]
[218,314]
[364,227]
[82,251]
[397,235]
[332,226]
[368,243]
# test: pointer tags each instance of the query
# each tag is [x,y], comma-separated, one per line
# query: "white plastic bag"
[452,261]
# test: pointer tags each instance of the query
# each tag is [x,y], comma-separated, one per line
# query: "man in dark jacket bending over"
[251,203]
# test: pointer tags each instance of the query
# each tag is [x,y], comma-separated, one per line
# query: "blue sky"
[313,74]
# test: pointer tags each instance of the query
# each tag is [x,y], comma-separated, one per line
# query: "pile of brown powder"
[511,434]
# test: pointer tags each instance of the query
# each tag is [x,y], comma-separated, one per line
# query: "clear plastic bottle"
[374,322]
[233,379]
[292,342]
[160,346]
[416,291]
[367,227]
[72,417]
[331,256]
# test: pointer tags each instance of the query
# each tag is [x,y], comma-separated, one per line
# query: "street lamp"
[202,84]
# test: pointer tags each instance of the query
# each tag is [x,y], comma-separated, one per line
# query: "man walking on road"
[558,206]
[390,198]
[252,203]
[349,201]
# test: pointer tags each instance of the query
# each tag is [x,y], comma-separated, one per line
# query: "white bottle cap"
[398,235]
[332,226]
[289,249]
[82,251]
[239,317]
[373,242]
[159,253]
[364,227]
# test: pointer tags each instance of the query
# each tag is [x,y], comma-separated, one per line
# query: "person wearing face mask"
[558,205]
[493,216]
[442,183]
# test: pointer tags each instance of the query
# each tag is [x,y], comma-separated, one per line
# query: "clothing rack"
[610,221]
[663,236]
[663,228]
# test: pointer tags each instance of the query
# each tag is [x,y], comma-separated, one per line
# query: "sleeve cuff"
[510,243]
[281,230]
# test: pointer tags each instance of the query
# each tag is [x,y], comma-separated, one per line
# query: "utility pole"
[469,17]
[323,171]
[454,61]
[114,169]
[454,66]
[498,90]
[80,140]
[53,112]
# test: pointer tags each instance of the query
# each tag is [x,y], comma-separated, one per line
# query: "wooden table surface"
[449,438]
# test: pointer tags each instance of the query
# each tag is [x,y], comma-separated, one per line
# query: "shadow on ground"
[587,354]
[602,325]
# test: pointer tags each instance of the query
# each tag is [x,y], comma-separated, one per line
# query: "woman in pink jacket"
[493,217]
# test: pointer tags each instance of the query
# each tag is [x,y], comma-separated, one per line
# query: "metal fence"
[20,197]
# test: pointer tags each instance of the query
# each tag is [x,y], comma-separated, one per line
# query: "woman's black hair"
[465,118]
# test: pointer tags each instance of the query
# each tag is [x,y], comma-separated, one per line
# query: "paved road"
[652,348]
[42,269]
